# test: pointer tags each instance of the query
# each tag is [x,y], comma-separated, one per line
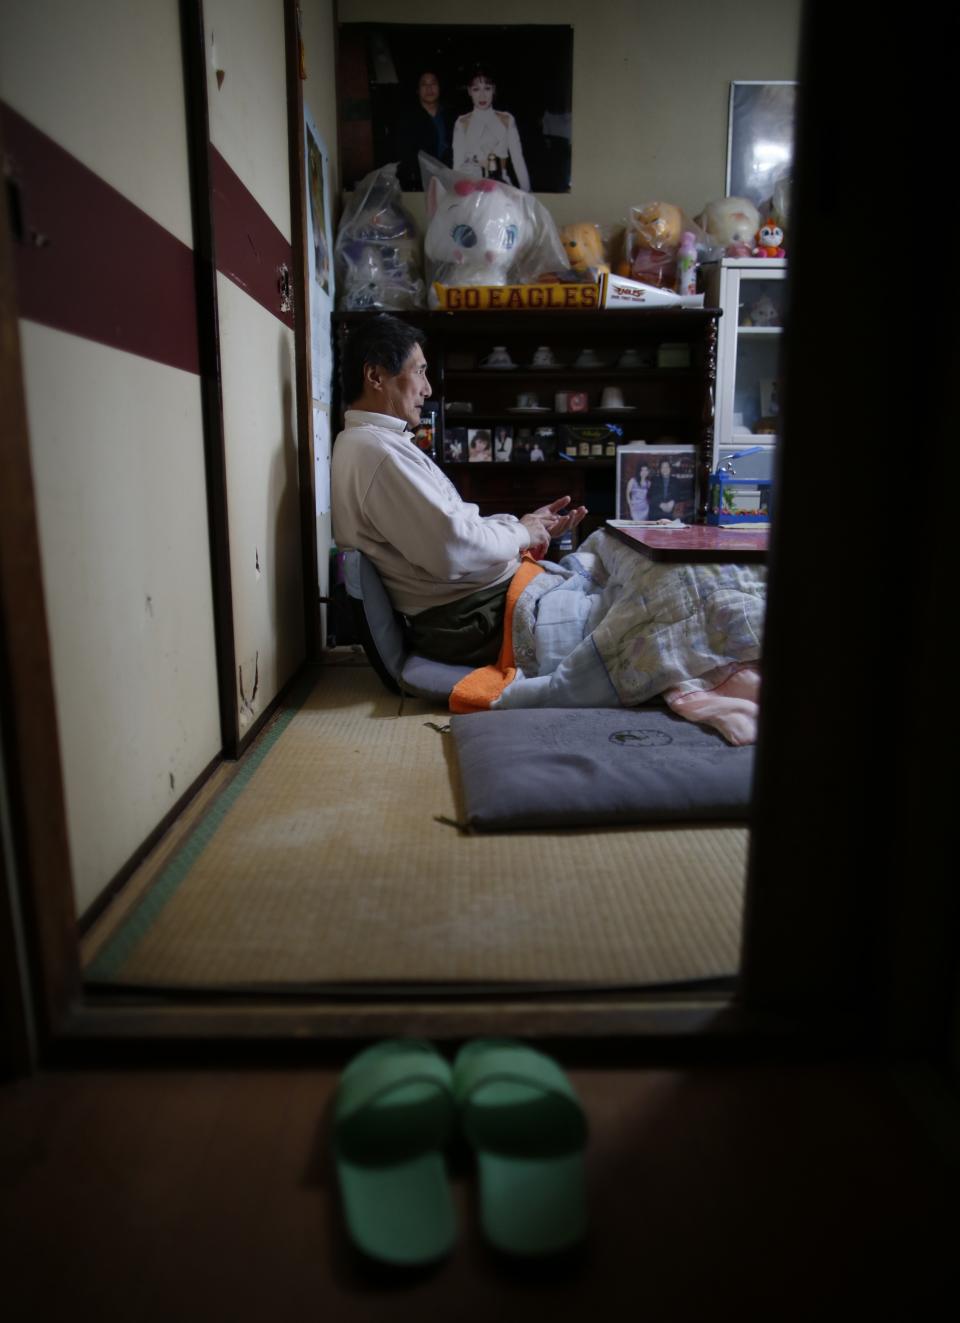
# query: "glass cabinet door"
[752,294]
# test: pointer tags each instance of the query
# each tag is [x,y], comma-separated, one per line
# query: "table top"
[694,542]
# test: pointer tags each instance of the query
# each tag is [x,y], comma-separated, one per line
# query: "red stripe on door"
[89,261]
[251,251]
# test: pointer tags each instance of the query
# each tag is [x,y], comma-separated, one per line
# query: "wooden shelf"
[601,462]
[551,419]
[675,401]
[564,375]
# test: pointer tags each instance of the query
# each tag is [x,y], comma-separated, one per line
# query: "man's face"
[404,394]
[665,468]
[429,89]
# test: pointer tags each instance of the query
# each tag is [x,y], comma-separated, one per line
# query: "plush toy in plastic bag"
[654,231]
[483,232]
[378,248]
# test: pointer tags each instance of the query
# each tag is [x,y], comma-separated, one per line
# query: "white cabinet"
[751,292]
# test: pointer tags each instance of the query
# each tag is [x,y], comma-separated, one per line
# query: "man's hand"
[547,523]
[539,534]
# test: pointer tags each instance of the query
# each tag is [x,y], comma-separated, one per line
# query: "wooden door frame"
[38,886]
[302,337]
[193,48]
[839,945]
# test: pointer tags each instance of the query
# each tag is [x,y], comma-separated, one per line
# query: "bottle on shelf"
[686,282]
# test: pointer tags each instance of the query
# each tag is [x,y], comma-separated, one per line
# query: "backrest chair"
[381,634]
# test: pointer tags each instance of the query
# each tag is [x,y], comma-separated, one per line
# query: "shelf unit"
[669,404]
[748,355]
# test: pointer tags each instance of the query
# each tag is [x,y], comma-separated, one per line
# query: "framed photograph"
[502,443]
[543,447]
[759,139]
[479,445]
[656,482]
[491,100]
[769,398]
[455,445]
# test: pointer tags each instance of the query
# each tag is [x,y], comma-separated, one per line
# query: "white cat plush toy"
[478,231]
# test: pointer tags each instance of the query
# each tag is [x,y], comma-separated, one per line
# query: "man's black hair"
[383,341]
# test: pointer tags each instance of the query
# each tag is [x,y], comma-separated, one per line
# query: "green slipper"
[394,1112]
[522,1117]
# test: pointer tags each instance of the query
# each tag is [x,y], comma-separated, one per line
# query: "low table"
[694,542]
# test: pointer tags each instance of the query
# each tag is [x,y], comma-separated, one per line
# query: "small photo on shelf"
[522,445]
[502,443]
[543,446]
[455,445]
[479,445]
[656,482]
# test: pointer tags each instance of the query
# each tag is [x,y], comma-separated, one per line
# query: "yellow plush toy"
[583,244]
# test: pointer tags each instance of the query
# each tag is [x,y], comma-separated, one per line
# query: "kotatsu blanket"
[610,627]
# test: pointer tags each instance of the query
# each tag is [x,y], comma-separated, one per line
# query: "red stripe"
[90,262]
[251,251]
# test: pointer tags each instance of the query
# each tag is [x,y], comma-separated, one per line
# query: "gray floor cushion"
[563,767]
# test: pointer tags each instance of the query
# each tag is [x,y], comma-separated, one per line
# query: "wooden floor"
[771,1193]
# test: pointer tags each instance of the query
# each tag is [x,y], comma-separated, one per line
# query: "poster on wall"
[760,140]
[493,101]
[320,288]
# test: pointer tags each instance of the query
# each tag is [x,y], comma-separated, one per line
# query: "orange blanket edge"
[476,691]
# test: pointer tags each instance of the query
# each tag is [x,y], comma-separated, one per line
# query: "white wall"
[650,88]
[117,451]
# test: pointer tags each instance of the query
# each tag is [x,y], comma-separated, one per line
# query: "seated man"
[446,568]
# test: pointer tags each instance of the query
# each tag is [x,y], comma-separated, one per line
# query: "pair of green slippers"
[397,1108]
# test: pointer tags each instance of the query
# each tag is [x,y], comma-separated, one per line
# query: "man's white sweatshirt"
[392,502]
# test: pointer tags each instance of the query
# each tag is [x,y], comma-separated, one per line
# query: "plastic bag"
[378,248]
[484,232]
[654,232]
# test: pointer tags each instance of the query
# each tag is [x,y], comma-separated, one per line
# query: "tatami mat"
[323,863]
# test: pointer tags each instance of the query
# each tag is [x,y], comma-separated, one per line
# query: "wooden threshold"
[114,1019]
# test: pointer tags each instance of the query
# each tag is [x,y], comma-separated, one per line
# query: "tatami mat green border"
[107,963]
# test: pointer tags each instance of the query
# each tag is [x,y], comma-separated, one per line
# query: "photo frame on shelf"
[647,491]
[479,445]
[759,139]
[455,445]
[543,446]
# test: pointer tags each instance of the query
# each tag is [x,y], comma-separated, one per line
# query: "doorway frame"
[843,944]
